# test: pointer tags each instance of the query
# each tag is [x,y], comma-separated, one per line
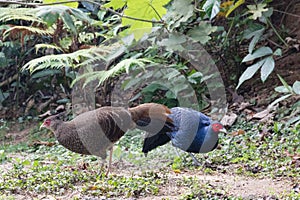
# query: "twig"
[278,45]
[89,1]
[156,12]
[291,14]
[197,9]
[275,31]
[9,80]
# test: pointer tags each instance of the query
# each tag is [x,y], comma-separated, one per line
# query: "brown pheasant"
[93,132]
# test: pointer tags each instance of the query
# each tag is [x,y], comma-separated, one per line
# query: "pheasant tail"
[153,118]
[150,110]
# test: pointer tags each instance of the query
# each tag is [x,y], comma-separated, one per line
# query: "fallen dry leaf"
[239,132]
[177,171]
[93,188]
[37,143]
[229,119]
[243,106]
[262,114]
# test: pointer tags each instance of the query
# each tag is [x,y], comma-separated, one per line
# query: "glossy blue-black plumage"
[191,132]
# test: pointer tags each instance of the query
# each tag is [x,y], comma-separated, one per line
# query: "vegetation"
[181,52]
[74,45]
[51,169]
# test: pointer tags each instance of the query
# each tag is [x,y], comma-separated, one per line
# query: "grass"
[262,152]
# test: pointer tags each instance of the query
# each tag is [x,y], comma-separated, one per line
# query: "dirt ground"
[233,185]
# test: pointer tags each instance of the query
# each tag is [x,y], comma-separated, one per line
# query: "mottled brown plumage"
[93,132]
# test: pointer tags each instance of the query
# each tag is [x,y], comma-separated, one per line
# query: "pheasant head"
[217,127]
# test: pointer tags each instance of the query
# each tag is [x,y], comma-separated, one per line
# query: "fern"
[27,31]
[23,14]
[102,76]
[47,46]
[63,60]
[112,51]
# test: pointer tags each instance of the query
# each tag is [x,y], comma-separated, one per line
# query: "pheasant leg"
[181,157]
[110,160]
[195,160]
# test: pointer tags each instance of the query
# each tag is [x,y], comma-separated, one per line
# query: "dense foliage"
[48,49]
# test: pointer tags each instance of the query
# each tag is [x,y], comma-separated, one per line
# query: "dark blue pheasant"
[192,132]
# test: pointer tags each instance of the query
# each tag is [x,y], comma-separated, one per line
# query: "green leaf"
[262,51]
[179,12]
[43,73]
[35,163]
[252,30]
[194,77]
[51,13]
[212,8]
[278,100]
[115,4]
[257,10]
[282,89]
[50,18]
[267,68]
[250,71]
[26,162]
[285,84]
[153,87]
[71,4]
[143,9]
[296,87]
[173,43]
[278,52]
[3,95]
[172,74]
[66,17]
[179,87]
[201,33]
[170,95]
[255,39]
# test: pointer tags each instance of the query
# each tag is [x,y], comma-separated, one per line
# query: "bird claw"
[196,161]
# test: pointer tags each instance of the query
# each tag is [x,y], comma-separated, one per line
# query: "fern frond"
[88,77]
[112,51]
[103,75]
[26,30]
[63,60]
[62,11]
[47,46]
[24,14]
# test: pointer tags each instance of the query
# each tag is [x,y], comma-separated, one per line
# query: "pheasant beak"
[42,126]
[223,130]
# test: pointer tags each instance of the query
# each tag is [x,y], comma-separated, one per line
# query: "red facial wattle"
[47,122]
[217,127]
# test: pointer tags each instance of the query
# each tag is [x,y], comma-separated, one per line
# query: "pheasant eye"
[216,127]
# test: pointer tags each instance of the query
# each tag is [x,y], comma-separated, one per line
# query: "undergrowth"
[263,151]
